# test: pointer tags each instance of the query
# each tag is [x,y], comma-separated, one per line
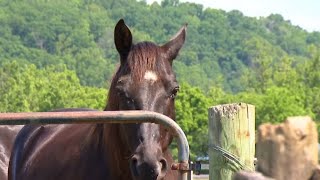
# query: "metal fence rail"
[86,117]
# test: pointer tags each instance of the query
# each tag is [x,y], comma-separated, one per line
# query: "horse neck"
[111,139]
[114,149]
[115,152]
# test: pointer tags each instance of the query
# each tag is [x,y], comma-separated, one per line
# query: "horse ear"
[122,38]
[174,45]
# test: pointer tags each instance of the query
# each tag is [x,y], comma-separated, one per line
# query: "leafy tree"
[193,120]
[25,88]
[227,58]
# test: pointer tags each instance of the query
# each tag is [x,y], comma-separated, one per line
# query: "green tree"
[25,88]
[193,120]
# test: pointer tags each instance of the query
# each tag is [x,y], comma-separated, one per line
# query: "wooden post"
[288,150]
[231,128]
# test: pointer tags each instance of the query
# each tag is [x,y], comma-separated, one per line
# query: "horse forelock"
[143,57]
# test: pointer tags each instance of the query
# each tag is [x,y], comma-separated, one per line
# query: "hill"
[48,47]
[220,46]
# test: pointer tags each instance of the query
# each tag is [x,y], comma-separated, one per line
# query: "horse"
[8,134]
[144,80]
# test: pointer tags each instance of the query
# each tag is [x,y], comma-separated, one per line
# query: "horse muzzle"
[144,167]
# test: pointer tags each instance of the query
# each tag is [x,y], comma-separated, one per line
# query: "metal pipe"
[86,117]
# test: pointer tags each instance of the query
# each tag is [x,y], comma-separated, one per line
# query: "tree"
[25,88]
[191,110]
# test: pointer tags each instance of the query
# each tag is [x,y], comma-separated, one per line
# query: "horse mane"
[141,58]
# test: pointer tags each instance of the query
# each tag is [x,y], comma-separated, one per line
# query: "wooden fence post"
[288,150]
[231,128]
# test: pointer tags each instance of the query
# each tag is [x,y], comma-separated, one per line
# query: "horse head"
[145,81]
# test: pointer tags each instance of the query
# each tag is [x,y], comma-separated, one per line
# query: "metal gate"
[86,117]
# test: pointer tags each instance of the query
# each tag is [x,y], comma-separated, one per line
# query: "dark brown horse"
[144,81]
[8,134]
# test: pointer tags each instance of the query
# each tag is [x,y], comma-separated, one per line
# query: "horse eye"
[174,92]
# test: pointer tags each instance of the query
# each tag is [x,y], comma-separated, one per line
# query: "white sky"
[304,13]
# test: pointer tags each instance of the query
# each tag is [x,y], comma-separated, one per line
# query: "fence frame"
[93,117]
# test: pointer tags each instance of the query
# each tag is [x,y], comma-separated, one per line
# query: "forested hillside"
[60,53]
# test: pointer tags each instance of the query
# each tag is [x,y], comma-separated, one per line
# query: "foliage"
[220,45]
[25,88]
[59,53]
[191,109]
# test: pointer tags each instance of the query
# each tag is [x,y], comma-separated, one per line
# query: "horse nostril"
[134,166]
[146,168]
[163,166]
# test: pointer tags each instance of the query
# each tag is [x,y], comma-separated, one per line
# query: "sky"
[303,13]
